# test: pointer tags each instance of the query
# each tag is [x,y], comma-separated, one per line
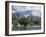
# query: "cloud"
[35,10]
[20,8]
[36,13]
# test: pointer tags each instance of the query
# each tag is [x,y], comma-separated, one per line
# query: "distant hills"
[26,14]
[34,17]
[19,15]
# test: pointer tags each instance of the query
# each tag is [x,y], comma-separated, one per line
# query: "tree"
[36,22]
[14,20]
[23,21]
[31,21]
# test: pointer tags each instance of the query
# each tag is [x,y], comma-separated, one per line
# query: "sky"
[27,10]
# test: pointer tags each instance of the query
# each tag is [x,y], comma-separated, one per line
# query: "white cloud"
[28,8]
[35,9]
[36,13]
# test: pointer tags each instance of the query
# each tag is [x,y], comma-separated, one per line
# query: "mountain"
[34,17]
[19,15]
[27,13]
[23,14]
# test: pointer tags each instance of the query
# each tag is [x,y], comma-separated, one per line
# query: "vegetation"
[25,21]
